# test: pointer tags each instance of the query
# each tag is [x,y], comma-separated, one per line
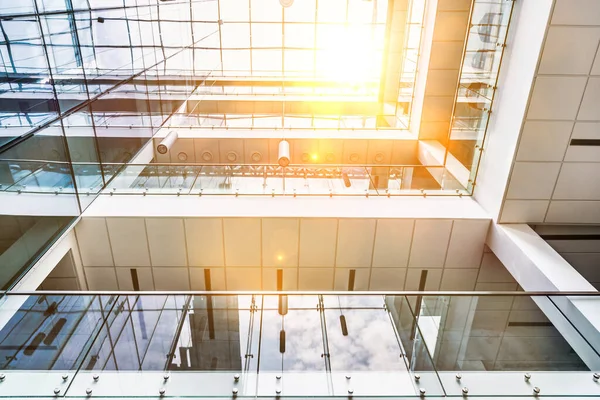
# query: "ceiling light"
[256,156]
[286,3]
[284,153]
[207,156]
[167,142]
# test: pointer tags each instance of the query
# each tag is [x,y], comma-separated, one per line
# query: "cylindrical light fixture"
[284,153]
[167,142]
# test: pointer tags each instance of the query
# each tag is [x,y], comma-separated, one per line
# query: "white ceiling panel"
[101,278]
[280,242]
[590,106]
[243,278]
[94,245]
[387,278]
[171,278]
[361,278]
[315,279]
[574,212]
[317,242]
[532,181]
[217,278]
[442,82]
[578,181]
[197,278]
[583,153]
[498,287]
[596,67]
[437,108]
[355,242]
[569,50]
[459,279]
[515,211]
[167,242]
[451,25]
[544,140]
[392,242]
[204,237]
[144,275]
[430,243]
[466,243]
[242,242]
[576,12]
[290,278]
[445,54]
[129,242]
[432,282]
[556,97]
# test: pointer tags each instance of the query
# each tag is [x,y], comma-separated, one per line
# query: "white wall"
[171,253]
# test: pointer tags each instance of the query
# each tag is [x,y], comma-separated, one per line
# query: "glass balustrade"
[226,345]
[43,177]
[273,180]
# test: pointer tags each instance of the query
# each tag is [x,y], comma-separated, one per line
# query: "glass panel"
[477,82]
[274,180]
[295,345]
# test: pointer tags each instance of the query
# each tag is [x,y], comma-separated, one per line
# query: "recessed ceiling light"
[207,156]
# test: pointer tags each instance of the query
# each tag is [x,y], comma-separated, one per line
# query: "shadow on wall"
[22,240]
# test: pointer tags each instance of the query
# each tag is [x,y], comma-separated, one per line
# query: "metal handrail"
[304,293]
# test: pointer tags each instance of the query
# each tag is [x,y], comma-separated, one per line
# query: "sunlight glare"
[351,55]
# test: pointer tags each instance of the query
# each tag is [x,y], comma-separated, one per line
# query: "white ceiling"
[314,253]
[552,181]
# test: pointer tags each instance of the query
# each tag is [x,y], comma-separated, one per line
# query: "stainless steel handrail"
[306,293]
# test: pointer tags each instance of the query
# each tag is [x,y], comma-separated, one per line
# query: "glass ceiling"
[330,39]
[59,54]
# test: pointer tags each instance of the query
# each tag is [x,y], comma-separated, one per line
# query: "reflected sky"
[254,334]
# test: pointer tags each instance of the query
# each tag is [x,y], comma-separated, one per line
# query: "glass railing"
[486,40]
[216,344]
[47,177]
[273,180]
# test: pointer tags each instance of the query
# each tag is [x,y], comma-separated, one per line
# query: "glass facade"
[118,345]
